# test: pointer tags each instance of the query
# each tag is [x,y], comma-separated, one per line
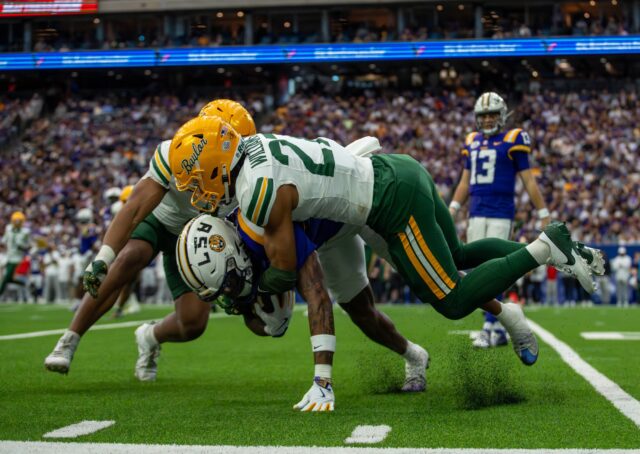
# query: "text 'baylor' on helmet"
[212,261]
[233,113]
[204,156]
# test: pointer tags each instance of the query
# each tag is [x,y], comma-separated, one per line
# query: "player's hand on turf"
[320,397]
[93,277]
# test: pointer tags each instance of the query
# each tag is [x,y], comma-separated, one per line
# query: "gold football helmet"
[126,193]
[233,113]
[204,157]
[18,218]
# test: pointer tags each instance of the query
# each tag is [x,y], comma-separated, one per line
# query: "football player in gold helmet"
[147,224]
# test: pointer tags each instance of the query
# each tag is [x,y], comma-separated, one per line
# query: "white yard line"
[368,434]
[611,335]
[624,402]
[79,429]
[51,332]
[39,447]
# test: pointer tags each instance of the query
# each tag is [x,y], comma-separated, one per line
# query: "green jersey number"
[325,168]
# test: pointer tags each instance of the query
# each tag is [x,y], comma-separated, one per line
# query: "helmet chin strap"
[225,182]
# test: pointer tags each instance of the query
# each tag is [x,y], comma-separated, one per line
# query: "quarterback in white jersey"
[148,223]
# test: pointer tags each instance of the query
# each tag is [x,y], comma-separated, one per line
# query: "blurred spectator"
[621,267]
[552,286]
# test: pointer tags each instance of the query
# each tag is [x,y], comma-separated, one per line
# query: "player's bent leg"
[380,329]
[187,323]
[135,256]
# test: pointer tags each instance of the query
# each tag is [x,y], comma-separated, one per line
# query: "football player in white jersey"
[16,240]
[149,222]
[281,179]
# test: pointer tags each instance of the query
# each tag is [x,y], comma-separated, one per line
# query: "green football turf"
[231,387]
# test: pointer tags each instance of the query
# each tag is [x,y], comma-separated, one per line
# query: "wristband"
[277,281]
[106,254]
[323,371]
[455,205]
[323,343]
[543,213]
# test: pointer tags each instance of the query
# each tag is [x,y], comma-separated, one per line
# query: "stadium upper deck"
[120,24]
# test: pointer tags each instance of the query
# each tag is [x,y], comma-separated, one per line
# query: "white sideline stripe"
[40,447]
[296,308]
[81,428]
[611,335]
[368,434]
[624,402]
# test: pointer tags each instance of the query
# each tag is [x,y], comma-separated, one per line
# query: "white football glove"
[276,322]
[320,397]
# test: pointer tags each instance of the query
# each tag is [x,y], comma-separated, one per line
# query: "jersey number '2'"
[326,168]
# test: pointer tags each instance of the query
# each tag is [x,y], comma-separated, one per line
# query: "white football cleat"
[593,256]
[59,360]
[148,353]
[482,339]
[415,380]
[320,397]
[565,255]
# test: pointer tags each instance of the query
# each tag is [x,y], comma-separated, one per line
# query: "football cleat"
[593,256]
[482,339]
[59,360]
[148,353]
[416,372]
[524,341]
[320,397]
[565,256]
[498,337]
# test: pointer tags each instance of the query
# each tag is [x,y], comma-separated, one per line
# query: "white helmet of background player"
[84,216]
[487,104]
[112,194]
[211,259]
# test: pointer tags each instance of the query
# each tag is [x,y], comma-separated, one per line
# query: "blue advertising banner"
[409,51]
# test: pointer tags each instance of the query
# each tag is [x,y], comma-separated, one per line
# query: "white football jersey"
[175,209]
[17,243]
[332,183]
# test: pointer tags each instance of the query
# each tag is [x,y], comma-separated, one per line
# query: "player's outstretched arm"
[146,195]
[461,193]
[532,188]
[320,396]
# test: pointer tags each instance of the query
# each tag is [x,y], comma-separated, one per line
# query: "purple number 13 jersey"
[493,163]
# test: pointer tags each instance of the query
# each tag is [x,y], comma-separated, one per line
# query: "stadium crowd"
[585,153]
[211,33]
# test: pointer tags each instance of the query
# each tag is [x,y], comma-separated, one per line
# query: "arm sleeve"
[159,170]
[519,149]
[258,201]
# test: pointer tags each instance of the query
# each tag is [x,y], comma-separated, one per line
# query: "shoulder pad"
[512,135]
[470,137]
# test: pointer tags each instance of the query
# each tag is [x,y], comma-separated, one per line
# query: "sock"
[539,250]
[511,318]
[413,352]
[150,336]
[72,336]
